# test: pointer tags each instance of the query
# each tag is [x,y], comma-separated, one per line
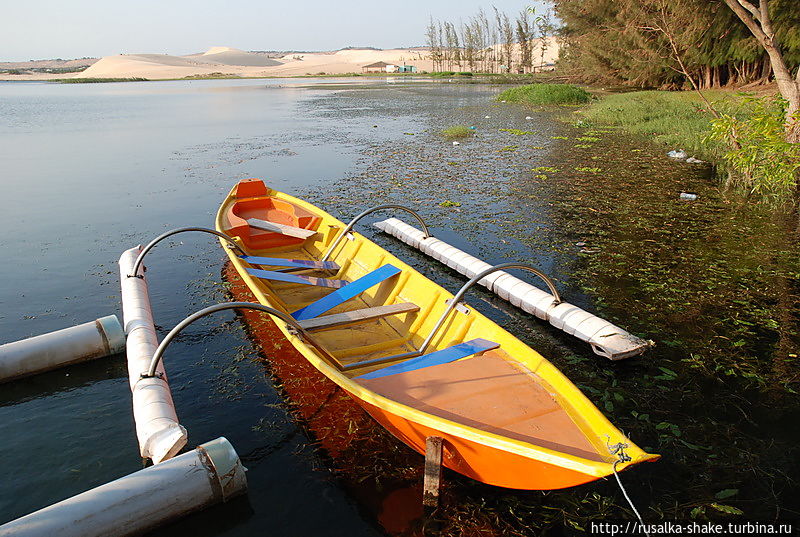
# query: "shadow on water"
[64,380]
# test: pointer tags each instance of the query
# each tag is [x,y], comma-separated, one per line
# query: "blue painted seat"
[292,263]
[351,290]
[295,278]
[444,356]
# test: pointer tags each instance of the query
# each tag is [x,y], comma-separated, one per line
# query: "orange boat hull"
[480,462]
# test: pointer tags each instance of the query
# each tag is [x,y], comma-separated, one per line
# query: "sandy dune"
[232,56]
[237,62]
[231,61]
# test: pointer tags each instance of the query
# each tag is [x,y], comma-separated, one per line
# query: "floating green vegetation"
[509,148]
[588,139]
[559,138]
[457,131]
[448,203]
[537,147]
[587,169]
[453,163]
[538,94]
[98,80]
[409,133]
[583,146]
[714,283]
[517,132]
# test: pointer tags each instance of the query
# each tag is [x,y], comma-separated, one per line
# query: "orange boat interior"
[253,202]
[492,394]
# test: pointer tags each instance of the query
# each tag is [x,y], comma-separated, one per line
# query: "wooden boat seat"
[450,354]
[283,229]
[295,278]
[290,263]
[338,320]
[349,291]
[492,394]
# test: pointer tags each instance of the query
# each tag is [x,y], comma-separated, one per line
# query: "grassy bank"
[674,119]
[759,163]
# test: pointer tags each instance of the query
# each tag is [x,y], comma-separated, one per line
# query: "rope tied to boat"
[618,449]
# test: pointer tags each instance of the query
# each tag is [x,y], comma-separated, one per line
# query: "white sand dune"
[233,56]
[237,62]
[151,66]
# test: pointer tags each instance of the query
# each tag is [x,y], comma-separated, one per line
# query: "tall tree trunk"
[758,20]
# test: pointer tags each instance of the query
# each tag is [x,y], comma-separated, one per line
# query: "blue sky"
[43,29]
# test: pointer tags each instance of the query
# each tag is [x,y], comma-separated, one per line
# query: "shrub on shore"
[538,94]
[762,161]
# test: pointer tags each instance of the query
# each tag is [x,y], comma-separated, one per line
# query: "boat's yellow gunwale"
[564,388]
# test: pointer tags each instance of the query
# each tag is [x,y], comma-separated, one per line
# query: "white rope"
[625,493]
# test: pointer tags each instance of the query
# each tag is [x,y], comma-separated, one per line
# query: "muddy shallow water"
[712,281]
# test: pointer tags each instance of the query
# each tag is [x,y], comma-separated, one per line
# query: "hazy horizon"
[47,29]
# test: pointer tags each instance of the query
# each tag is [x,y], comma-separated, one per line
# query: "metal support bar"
[450,307]
[285,317]
[138,263]
[365,213]
[478,277]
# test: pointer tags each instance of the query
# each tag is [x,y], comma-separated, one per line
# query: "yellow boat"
[420,363]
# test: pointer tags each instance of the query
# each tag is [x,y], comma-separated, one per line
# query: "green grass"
[538,94]
[675,119]
[97,80]
[457,131]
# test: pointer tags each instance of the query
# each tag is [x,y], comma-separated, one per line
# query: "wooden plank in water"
[357,316]
[283,229]
[433,471]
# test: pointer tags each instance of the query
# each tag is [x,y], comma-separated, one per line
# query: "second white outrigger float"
[606,339]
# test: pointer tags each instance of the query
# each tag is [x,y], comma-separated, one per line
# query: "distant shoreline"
[227,62]
[491,78]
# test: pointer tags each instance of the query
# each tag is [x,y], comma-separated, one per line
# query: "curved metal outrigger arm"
[285,317]
[365,213]
[138,263]
[451,306]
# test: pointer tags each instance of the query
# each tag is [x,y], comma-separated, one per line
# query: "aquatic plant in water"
[457,131]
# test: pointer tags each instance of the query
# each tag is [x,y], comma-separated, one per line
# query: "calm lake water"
[91,170]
